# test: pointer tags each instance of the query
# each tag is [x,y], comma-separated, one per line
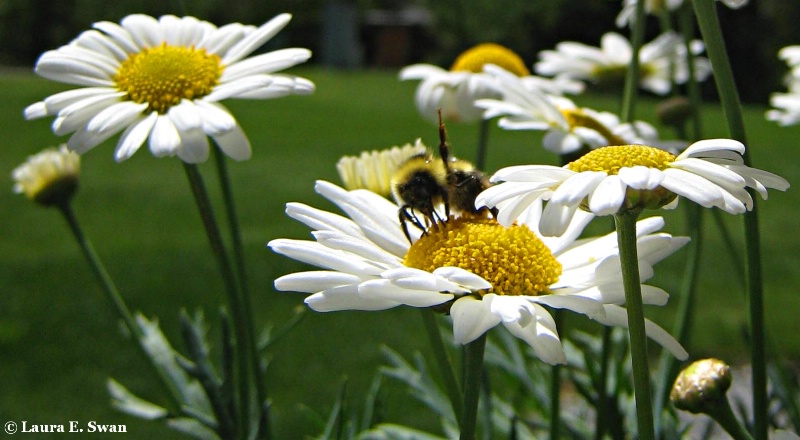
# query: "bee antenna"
[444,148]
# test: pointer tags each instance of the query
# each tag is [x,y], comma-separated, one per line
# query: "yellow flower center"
[514,260]
[473,60]
[162,76]
[577,118]
[611,159]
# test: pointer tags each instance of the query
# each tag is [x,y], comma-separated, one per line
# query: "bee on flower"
[481,272]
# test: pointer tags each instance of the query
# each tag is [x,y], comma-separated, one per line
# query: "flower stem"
[483,143]
[602,393]
[626,239]
[111,291]
[729,96]
[724,416]
[473,370]
[630,89]
[445,367]
[238,255]
[231,288]
[555,387]
[233,220]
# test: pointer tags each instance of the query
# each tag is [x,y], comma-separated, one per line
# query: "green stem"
[555,387]
[632,76]
[687,25]
[626,239]
[238,254]
[724,416]
[445,367]
[729,97]
[602,392]
[110,289]
[483,143]
[473,370]
[232,290]
[233,221]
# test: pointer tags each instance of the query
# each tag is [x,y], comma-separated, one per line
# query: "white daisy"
[787,108]
[485,273]
[454,91]
[48,177]
[162,80]
[709,172]
[569,128]
[660,58]
[787,105]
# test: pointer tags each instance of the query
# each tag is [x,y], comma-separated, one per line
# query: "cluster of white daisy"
[369,264]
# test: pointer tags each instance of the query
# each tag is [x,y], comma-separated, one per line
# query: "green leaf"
[127,402]
[164,357]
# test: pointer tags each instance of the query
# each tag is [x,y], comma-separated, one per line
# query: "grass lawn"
[58,337]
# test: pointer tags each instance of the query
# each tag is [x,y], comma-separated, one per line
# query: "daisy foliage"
[483,273]
[605,181]
[161,81]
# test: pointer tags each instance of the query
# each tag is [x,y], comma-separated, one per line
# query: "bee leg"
[405,216]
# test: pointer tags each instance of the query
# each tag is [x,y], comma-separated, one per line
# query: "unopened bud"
[49,177]
[701,387]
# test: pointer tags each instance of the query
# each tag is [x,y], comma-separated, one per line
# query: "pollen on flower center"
[611,159]
[162,76]
[514,260]
[577,118]
[473,60]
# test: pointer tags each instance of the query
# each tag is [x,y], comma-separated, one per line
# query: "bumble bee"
[424,182]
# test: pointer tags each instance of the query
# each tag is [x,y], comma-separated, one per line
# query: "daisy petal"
[234,143]
[346,298]
[471,319]
[389,291]
[255,39]
[314,281]
[134,136]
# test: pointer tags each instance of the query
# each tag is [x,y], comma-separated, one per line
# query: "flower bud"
[701,387]
[373,170]
[49,177]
